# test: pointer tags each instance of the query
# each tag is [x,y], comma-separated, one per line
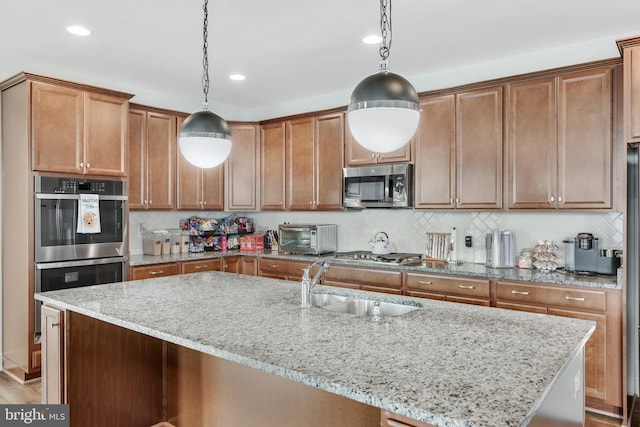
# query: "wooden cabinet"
[603,352]
[198,266]
[52,355]
[356,154]
[630,49]
[242,168]
[367,279]
[272,166]
[77,130]
[559,142]
[152,158]
[314,148]
[154,270]
[389,419]
[454,289]
[459,151]
[281,268]
[241,265]
[199,189]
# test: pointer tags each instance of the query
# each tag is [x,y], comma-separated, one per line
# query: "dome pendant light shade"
[384,112]
[205,139]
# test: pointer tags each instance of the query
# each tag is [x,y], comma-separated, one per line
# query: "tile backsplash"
[406,228]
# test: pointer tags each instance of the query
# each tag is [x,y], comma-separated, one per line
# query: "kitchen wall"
[406,228]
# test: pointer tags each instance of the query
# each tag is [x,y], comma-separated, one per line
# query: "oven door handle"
[81,263]
[47,196]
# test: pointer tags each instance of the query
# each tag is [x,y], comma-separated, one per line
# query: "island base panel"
[203,390]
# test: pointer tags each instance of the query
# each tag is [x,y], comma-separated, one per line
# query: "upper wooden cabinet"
[272,164]
[242,168]
[152,158]
[314,163]
[459,151]
[356,154]
[559,142]
[630,49]
[302,163]
[78,131]
[198,188]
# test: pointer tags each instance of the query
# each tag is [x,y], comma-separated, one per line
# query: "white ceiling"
[299,55]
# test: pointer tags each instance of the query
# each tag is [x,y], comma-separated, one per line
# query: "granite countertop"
[558,277]
[446,364]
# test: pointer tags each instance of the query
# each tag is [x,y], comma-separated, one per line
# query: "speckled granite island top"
[447,364]
[468,269]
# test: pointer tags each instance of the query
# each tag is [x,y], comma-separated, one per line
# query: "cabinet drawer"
[277,267]
[585,299]
[155,270]
[448,285]
[214,264]
[365,277]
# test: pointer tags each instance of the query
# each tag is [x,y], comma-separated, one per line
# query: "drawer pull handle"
[273,265]
[200,267]
[520,292]
[425,282]
[466,287]
[53,325]
[155,273]
[568,298]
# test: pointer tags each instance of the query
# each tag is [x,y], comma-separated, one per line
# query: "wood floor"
[12,392]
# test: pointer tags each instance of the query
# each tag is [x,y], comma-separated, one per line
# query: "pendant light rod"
[205,54]
[385,32]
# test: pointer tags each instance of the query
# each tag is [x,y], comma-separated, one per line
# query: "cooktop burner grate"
[392,258]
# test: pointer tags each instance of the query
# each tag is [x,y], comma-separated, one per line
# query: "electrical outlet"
[468,241]
[143,227]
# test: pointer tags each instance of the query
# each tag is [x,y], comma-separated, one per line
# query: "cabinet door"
[329,144]
[161,155]
[57,123]
[137,159]
[585,140]
[272,167]
[232,264]
[595,356]
[242,168]
[189,185]
[632,93]
[53,357]
[105,134]
[249,266]
[213,188]
[434,168]
[300,164]
[212,264]
[531,144]
[479,149]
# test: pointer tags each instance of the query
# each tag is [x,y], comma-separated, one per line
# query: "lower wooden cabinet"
[367,279]
[211,264]
[389,419]
[284,269]
[154,270]
[597,420]
[454,289]
[603,352]
[52,355]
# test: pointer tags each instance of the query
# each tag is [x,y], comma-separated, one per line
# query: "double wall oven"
[66,257]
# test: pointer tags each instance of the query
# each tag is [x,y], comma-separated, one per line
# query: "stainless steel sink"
[359,306]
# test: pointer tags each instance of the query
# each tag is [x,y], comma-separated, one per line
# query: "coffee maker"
[500,247]
[590,259]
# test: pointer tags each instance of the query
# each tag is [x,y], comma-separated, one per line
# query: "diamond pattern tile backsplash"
[406,228]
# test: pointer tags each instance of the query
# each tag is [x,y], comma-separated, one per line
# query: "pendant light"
[384,110]
[205,137]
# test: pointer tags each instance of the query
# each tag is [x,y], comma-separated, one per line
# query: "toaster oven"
[309,239]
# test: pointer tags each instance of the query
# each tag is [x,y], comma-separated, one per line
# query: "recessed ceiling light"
[372,39]
[77,30]
[237,77]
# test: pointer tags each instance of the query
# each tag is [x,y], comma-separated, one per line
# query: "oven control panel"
[60,185]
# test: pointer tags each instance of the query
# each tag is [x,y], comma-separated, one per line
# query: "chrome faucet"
[309,282]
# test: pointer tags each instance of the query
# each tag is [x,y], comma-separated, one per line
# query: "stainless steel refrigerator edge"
[632,259]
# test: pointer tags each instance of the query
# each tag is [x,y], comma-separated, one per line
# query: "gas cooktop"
[392,258]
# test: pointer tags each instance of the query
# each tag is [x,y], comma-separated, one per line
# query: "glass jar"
[526,258]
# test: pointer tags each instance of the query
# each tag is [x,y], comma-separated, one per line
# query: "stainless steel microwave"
[378,186]
[310,239]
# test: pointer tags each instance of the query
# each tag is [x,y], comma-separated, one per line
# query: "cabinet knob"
[559,198]
[204,202]
[553,199]
[457,200]
[88,165]
[373,155]
[81,165]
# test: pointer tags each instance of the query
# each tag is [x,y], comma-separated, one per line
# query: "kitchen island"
[219,348]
